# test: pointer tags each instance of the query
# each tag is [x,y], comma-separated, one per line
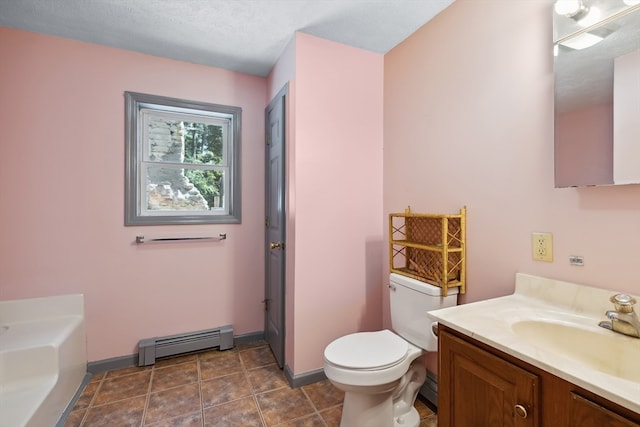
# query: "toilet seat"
[367,351]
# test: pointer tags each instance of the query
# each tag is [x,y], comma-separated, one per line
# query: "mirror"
[597,92]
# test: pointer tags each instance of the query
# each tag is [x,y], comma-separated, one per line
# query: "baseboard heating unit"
[151,349]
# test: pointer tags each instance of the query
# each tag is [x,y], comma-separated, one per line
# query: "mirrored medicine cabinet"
[597,92]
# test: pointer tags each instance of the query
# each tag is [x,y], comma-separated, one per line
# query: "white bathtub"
[43,358]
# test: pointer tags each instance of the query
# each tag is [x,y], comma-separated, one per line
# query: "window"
[182,161]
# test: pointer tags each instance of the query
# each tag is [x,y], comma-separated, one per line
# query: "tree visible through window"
[182,161]
[203,145]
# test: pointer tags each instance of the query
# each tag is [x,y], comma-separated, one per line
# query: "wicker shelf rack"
[429,247]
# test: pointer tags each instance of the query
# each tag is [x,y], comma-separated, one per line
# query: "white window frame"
[137,107]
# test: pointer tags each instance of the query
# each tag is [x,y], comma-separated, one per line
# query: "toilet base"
[372,409]
[410,419]
[405,414]
[385,405]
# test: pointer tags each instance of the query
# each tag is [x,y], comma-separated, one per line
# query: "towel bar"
[141,239]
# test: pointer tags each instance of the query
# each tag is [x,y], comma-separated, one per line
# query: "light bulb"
[567,7]
[573,9]
[590,18]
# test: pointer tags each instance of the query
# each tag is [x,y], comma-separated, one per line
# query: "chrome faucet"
[623,319]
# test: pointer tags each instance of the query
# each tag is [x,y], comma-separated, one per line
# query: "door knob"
[276,245]
[521,411]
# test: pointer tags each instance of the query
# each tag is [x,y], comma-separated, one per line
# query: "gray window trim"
[133,103]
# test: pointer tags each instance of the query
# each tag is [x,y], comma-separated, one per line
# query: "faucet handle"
[623,303]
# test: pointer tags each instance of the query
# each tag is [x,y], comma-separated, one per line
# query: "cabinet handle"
[521,411]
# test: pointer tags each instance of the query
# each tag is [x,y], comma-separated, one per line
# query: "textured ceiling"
[241,35]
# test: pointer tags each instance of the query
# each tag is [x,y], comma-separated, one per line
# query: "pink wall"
[469,121]
[338,232]
[334,178]
[62,180]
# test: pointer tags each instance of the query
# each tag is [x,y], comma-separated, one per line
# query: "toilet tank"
[410,300]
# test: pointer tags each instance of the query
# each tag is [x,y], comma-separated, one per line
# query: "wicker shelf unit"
[429,247]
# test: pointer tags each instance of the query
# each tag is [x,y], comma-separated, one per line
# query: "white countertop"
[566,345]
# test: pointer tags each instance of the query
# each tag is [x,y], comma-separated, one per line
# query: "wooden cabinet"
[585,413]
[483,389]
[480,386]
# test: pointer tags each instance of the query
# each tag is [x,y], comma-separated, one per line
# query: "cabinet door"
[585,413]
[478,389]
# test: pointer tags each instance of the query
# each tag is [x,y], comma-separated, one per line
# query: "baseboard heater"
[430,389]
[151,349]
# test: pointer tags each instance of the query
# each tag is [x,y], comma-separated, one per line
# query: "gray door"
[275,226]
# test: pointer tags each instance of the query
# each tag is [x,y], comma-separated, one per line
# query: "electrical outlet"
[542,246]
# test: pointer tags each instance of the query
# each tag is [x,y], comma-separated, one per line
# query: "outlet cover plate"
[542,246]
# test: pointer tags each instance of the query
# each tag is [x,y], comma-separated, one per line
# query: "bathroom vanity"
[480,385]
[536,358]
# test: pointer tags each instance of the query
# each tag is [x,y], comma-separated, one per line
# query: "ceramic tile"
[188,420]
[284,404]
[220,364]
[123,387]
[423,409]
[323,394]
[266,378]
[174,375]
[224,389]
[239,413]
[87,396]
[126,371]
[174,401]
[75,418]
[123,413]
[310,421]
[213,354]
[256,357]
[97,377]
[431,421]
[332,416]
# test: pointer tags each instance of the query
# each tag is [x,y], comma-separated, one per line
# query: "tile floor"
[242,387]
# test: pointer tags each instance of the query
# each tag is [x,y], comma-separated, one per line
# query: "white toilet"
[381,372]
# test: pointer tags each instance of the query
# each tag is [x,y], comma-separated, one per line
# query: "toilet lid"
[367,350]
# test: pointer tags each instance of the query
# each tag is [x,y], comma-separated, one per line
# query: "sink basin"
[605,351]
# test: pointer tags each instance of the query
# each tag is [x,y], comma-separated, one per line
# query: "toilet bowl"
[381,372]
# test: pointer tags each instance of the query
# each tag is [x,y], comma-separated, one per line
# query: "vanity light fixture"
[582,41]
[592,16]
[574,9]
